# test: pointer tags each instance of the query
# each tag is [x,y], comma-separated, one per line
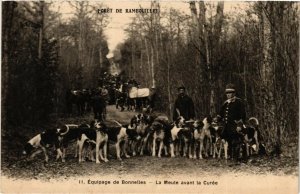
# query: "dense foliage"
[44,55]
[257,49]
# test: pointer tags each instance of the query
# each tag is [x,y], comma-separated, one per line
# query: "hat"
[230,88]
[181,88]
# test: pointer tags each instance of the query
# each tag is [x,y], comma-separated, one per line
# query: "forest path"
[145,168]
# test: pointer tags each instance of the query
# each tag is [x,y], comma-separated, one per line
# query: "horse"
[75,97]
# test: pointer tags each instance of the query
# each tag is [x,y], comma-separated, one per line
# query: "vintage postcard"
[149,97]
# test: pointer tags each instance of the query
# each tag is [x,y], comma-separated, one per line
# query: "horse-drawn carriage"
[134,97]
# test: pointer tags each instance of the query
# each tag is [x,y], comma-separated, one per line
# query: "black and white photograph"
[150,96]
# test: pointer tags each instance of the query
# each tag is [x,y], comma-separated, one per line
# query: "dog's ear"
[132,120]
[93,123]
[27,149]
[209,119]
[178,120]
[199,124]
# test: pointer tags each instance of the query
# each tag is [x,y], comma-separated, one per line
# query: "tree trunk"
[41,30]
[7,14]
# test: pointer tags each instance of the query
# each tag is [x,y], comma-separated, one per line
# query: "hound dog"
[251,136]
[202,131]
[41,142]
[146,133]
[98,135]
[174,141]
[94,133]
[219,142]
[160,130]
[143,129]
[68,133]
[120,135]
[187,138]
[137,123]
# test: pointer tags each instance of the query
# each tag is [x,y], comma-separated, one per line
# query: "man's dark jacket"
[186,107]
[233,110]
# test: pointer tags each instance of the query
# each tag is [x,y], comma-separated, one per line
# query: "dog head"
[198,125]
[180,121]
[207,121]
[186,134]
[28,148]
[157,127]
[140,117]
[148,119]
[134,122]
[239,126]
[99,126]
[96,124]
[253,122]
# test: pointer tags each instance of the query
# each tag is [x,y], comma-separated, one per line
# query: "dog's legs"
[97,151]
[200,148]
[143,143]
[256,142]
[225,149]
[105,150]
[160,148]
[63,157]
[177,146]
[214,150]
[80,148]
[153,147]
[206,147]
[125,149]
[210,145]
[118,151]
[195,150]
[220,149]
[36,153]
[134,147]
[185,149]
[172,149]
[101,154]
[247,149]
[190,150]
[98,142]
[166,150]
[92,154]
[60,155]
[46,155]
[76,149]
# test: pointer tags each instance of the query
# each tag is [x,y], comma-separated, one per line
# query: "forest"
[257,49]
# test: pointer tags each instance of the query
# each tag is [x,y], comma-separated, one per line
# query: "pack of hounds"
[146,134]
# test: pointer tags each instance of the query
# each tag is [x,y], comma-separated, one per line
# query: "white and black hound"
[41,142]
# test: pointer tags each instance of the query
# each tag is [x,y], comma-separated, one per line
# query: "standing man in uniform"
[232,110]
[184,106]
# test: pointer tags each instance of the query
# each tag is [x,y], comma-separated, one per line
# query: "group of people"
[232,110]
[96,99]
